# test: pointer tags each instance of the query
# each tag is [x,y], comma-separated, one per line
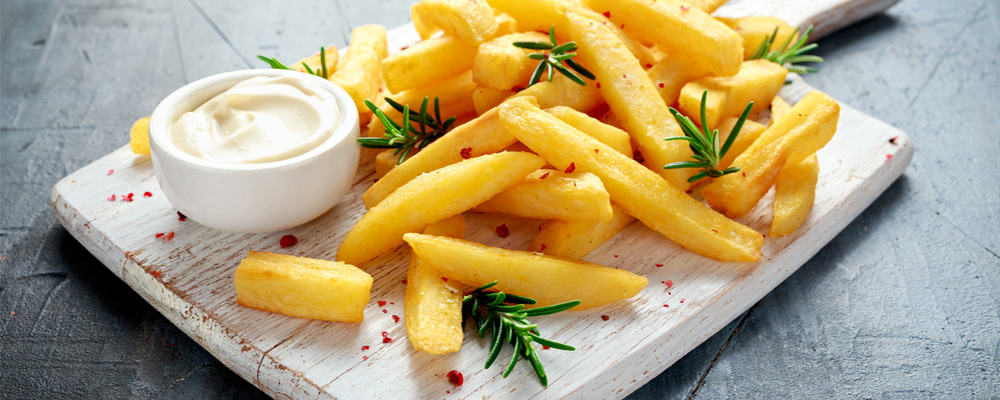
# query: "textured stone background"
[905,303]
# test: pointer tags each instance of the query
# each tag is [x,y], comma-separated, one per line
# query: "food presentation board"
[189,278]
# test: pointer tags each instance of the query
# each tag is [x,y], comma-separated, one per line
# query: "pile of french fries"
[587,159]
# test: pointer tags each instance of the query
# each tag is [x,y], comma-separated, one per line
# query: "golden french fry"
[433,307]
[432,197]
[758,81]
[483,135]
[645,55]
[678,29]
[454,94]
[607,134]
[410,68]
[385,161]
[707,6]
[750,132]
[302,287]
[671,74]
[330,54]
[484,98]
[534,15]
[366,39]
[471,20]
[506,24]
[803,131]
[139,136]
[500,65]
[779,107]
[550,194]
[630,94]
[755,29]
[663,207]
[794,193]
[359,71]
[574,239]
[564,92]
[547,279]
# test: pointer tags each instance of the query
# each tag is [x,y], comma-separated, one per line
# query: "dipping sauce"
[258,120]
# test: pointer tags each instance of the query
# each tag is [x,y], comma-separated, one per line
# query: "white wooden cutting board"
[189,278]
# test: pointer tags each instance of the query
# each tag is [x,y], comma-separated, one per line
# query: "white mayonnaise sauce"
[258,120]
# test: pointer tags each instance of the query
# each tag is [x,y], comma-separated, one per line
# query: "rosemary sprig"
[322,72]
[705,143]
[405,137]
[505,315]
[789,54]
[552,59]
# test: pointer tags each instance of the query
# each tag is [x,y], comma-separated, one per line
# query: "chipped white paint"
[189,278]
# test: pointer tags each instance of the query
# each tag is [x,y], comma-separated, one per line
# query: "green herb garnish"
[405,137]
[552,59]
[789,54]
[505,315]
[322,72]
[705,143]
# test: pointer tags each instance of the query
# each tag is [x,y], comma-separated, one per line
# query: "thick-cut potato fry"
[506,24]
[679,30]
[471,20]
[755,29]
[365,39]
[750,132]
[534,15]
[630,94]
[454,94]
[500,65]
[707,6]
[671,74]
[806,129]
[550,194]
[330,54]
[139,136]
[794,193]
[432,197]
[645,55]
[607,134]
[564,92]
[663,207]
[385,161]
[484,98]
[547,279]
[779,107]
[410,68]
[574,239]
[433,307]
[758,81]
[483,135]
[302,287]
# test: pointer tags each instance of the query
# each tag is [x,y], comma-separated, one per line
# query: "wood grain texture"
[300,358]
[903,303]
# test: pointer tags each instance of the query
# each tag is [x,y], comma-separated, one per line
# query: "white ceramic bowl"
[253,198]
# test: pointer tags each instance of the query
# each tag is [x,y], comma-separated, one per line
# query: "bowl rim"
[159,120]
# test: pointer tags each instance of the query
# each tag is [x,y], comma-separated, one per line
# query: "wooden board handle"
[826,16]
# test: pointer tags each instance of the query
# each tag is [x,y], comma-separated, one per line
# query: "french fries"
[607,134]
[758,81]
[302,287]
[409,68]
[433,307]
[755,29]
[679,30]
[779,107]
[630,94]
[330,54]
[359,72]
[707,6]
[671,74]
[750,132]
[799,134]
[366,39]
[483,135]
[640,192]
[794,193]
[485,98]
[549,280]
[574,239]
[454,94]
[500,65]
[430,198]
[534,15]
[471,20]
[549,194]
[564,92]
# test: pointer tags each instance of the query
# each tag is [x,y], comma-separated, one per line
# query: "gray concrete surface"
[905,303]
